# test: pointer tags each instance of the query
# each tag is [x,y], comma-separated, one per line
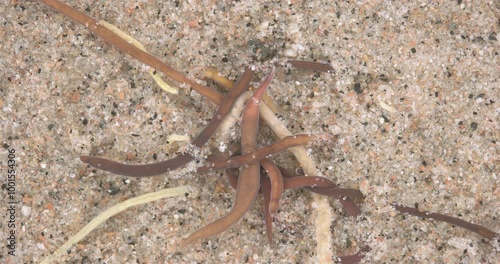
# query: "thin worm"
[147,170]
[336,192]
[321,185]
[116,41]
[346,202]
[224,107]
[268,218]
[480,230]
[144,170]
[276,181]
[310,65]
[254,156]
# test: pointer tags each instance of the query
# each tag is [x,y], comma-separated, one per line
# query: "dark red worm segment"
[347,202]
[311,65]
[480,230]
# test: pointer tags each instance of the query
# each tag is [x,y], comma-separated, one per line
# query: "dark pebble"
[473,125]
[357,88]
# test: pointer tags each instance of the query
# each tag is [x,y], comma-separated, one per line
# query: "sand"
[410,110]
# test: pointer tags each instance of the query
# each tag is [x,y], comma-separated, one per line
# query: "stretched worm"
[480,230]
[118,42]
[310,65]
[320,185]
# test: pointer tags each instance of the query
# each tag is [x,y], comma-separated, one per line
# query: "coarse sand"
[411,110]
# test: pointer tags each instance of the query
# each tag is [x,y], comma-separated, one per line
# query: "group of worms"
[247,167]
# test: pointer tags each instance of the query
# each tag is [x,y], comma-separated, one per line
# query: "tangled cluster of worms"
[248,167]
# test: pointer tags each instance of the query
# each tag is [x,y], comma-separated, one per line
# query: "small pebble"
[26,210]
